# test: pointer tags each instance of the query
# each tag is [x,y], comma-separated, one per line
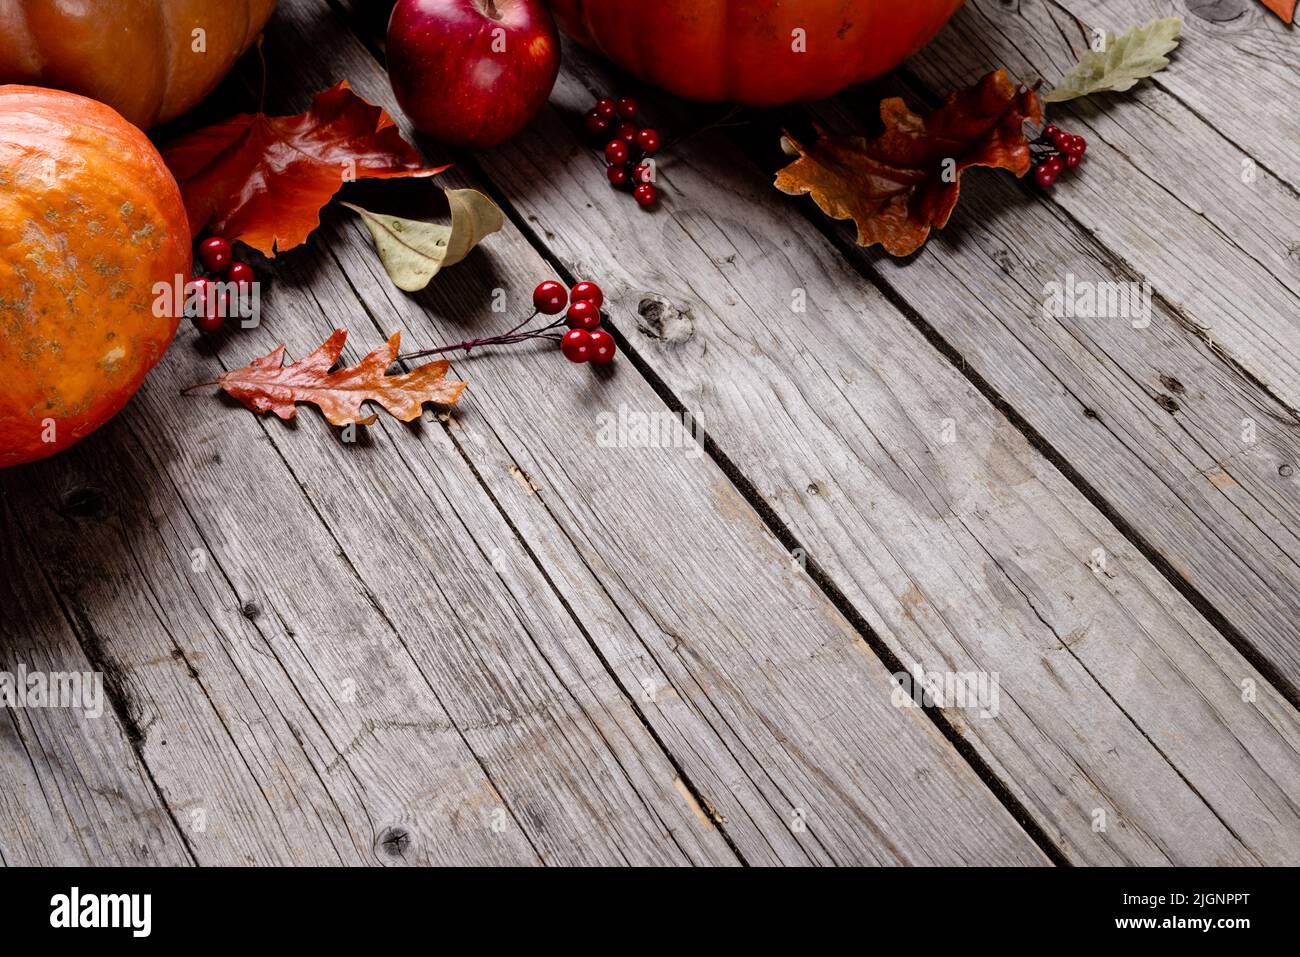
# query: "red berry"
[602,347]
[606,108]
[211,323]
[587,291]
[644,173]
[648,140]
[576,345]
[1050,131]
[550,297]
[626,132]
[583,314]
[628,108]
[1072,160]
[1061,139]
[1044,176]
[197,294]
[204,306]
[646,194]
[215,253]
[1080,146]
[616,152]
[617,175]
[1055,163]
[241,273]
[597,125]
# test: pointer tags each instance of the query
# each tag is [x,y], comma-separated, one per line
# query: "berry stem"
[504,339]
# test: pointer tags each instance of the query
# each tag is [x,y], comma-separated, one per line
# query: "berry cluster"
[1056,152]
[631,146]
[213,304]
[584,341]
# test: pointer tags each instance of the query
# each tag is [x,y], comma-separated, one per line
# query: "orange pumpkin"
[151,60]
[756,52]
[91,222]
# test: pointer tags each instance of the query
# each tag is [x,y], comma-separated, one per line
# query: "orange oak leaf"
[267,385]
[1283,8]
[905,182]
[264,179]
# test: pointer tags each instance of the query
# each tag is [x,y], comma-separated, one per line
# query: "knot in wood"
[1217,11]
[85,504]
[660,319]
[395,841]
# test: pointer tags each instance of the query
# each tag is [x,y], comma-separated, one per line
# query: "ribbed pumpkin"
[151,60]
[756,52]
[90,222]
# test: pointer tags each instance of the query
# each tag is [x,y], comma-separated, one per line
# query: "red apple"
[472,72]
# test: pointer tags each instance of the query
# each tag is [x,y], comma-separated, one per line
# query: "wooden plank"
[1168,195]
[1190,450]
[233,723]
[74,792]
[943,549]
[384,719]
[1237,69]
[696,608]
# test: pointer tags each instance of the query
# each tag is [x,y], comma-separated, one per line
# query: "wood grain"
[721,639]
[1236,69]
[1189,207]
[1180,437]
[945,550]
[74,791]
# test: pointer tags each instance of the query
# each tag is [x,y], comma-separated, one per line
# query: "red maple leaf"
[264,179]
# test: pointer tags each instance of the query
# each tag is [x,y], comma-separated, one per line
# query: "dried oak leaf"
[906,181]
[264,179]
[1283,8]
[266,385]
[1136,54]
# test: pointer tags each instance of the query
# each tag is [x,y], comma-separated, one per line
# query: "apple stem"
[490,8]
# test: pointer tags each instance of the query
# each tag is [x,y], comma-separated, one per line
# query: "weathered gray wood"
[233,719]
[1169,196]
[946,549]
[1191,452]
[1237,69]
[697,609]
[383,691]
[72,790]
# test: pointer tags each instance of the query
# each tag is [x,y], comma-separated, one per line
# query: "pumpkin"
[755,52]
[151,60]
[92,229]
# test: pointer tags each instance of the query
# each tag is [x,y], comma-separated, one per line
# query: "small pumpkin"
[755,52]
[92,229]
[151,60]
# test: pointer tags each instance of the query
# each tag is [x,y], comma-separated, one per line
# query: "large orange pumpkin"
[151,60]
[91,221]
[756,52]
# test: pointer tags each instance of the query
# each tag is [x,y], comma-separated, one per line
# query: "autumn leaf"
[414,252]
[266,385]
[905,182]
[1283,8]
[264,179]
[1139,53]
